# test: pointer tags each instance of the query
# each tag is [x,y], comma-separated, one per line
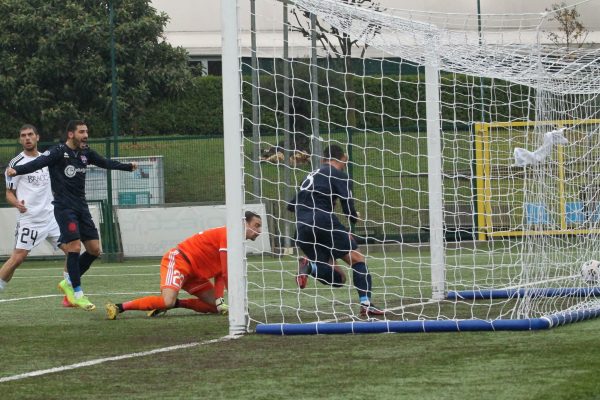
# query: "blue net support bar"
[521,292]
[545,322]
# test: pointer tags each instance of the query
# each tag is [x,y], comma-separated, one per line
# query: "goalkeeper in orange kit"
[191,266]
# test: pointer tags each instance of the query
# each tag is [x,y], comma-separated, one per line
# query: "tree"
[339,44]
[55,61]
[334,42]
[570,30]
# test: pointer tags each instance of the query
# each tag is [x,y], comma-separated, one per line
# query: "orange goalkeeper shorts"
[176,274]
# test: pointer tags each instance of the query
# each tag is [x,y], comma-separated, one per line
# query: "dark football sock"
[85,261]
[73,269]
[362,279]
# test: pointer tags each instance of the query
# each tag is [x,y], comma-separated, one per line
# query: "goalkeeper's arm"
[221,284]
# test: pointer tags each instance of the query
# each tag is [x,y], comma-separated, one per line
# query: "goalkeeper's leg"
[204,292]
[166,301]
[197,305]
[172,277]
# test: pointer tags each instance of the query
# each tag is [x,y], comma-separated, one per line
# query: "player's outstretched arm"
[42,161]
[105,163]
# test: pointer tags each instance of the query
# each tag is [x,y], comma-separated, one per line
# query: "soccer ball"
[590,271]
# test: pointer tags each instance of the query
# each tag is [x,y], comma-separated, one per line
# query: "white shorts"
[29,235]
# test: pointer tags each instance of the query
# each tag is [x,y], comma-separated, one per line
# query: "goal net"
[474,154]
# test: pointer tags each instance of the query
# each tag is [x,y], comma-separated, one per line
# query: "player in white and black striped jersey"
[31,195]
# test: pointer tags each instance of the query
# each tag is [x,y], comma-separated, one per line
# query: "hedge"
[379,103]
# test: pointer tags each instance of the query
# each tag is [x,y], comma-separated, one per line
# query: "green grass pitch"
[37,334]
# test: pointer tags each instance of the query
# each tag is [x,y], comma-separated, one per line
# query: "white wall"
[8,220]
[147,232]
[153,231]
[196,24]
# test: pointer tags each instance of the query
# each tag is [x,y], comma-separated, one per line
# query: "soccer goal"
[474,147]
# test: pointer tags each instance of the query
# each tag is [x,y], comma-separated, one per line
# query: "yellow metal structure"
[503,218]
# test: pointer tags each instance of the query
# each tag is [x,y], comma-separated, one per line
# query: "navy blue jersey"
[67,172]
[319,193]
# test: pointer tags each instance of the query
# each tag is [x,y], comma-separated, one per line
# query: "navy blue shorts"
[324,240]
[75,224]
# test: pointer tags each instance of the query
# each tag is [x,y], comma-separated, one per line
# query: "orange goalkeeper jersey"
[207,254]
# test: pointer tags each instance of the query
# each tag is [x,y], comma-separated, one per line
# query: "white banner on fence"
[153,231]
[8,221]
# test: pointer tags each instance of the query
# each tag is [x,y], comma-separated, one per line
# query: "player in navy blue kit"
[67,163]
[320,234]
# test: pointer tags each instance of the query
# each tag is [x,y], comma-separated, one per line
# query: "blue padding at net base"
[521,292]
[321,328]
[545,322]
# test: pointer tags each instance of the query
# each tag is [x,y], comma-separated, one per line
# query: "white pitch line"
[31,298]
[33,269]
[45,296]
[86,275]
[114,358]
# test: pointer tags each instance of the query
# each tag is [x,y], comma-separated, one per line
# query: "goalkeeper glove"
[222,308]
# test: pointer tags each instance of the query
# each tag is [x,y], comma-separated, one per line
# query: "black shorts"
[324,240]
[75,224]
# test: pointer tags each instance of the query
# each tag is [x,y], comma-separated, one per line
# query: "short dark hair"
[29,126]
[334,151]
[74,123]
[71,127]
[249,215]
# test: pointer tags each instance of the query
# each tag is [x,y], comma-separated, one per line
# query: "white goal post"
[474,150]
